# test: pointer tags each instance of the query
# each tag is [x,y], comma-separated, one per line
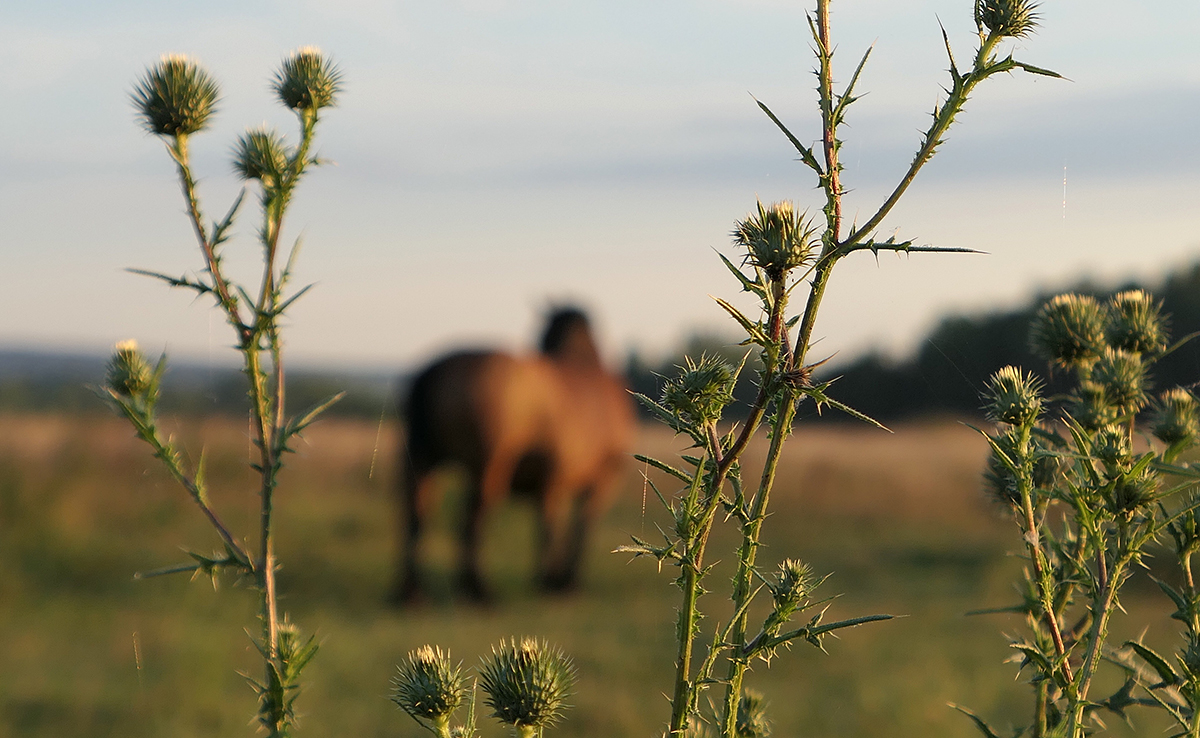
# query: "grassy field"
[88,651]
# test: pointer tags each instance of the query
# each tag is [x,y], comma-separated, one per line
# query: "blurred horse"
[556,426]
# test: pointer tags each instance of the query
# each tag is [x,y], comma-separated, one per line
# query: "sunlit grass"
[899,520]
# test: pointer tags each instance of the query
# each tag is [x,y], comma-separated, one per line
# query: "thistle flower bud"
[1006,18]
[1091,408]
[176,97]
[1122,376]
[428,686]
[1132,492]
[1013,397]
[1068,331]
[1136,324]
[792,585]
[1111,446]
[307,80]
[128,371]
[777,238]
[752,719]
[260,153]
[527,682]
[1177,419]
[701,390]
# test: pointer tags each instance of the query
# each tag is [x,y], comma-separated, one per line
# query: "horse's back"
[594,425]
[465,405]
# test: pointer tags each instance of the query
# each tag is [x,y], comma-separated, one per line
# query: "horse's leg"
[556,531]
[415,490]
[486,487]
[578,527]
[585,509]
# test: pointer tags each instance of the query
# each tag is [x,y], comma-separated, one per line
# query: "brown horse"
[556,426]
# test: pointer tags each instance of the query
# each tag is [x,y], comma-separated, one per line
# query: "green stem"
[832,179]
[1102,608]
[148,432]
[743,581]
[212,262]
[1033,544]
[944,117]
[691,564]
[1039,717]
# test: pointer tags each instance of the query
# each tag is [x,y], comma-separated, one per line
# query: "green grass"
[899,521]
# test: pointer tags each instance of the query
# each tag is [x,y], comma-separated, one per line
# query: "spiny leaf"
[183,281]
[1038,70]
[1158,663]
[806,154]
[748,285]
[979,722]
[664,467]
[752,329]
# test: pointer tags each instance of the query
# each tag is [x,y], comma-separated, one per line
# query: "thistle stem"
[179,152]
[1102,607]
[942,120]
[1033,544]
[786,413]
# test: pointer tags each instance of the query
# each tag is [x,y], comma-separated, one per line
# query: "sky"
[494,157]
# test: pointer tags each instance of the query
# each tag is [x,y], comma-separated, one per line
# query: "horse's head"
[568,337]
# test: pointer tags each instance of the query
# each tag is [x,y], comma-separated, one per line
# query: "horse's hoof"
[473,589]
[406,594]
[557,583]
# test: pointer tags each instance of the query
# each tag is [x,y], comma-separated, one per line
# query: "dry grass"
[898,518]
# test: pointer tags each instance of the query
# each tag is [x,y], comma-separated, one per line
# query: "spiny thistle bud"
[1013,397]
[260,153]
[1122,376]
[1006,18]
[777,238]
[701,391]
[527,682]
[1090,407]
[176,97]
[128,371]
[792,585]
[428,686]
[1178,417]
[307,80]
[1185,533]
[1136,324]
[1068,331]
[1111,446]
[1132,492]
[752,719]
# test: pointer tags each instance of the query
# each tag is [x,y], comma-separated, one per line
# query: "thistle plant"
[175,100]
[1088,503]
[784,250]
[527,683]
[429,687]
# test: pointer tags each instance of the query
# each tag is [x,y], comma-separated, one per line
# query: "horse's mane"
[568,337]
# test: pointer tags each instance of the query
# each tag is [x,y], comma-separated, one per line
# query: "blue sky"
[495,155]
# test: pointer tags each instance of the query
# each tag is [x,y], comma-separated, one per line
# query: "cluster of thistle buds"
[1113,495]
[1109,347]
[527,682]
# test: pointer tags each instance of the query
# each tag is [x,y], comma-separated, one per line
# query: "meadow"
[900,521]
